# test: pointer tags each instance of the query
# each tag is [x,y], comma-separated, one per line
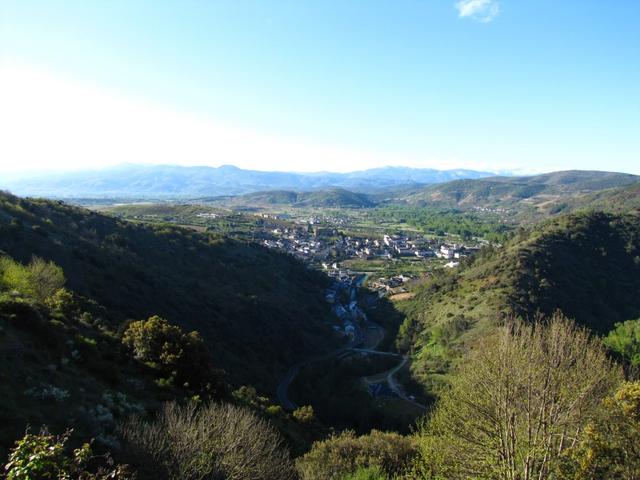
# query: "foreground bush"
[377,455]
[217,441]
[46,456]
[517,403]
[609,447]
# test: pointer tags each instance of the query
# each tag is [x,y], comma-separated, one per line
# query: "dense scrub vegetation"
[389,455]
[245,301]
[139,338]
[61,348]
[585,265]
[43,455]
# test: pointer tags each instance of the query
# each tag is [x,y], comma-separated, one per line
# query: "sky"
[522,86]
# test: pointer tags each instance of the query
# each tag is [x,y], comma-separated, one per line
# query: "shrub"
[609,446]
[624,340]
[46,278]
[371,473]
[210,442]
[39,279]
[274,410]
[181,358]
[346,454]
[304,414]
[45,456]
[63,303]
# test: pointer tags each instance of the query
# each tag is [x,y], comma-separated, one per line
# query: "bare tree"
[217,441]
[517,402]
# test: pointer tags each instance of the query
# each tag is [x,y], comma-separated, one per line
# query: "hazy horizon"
[487,85]
[35,173]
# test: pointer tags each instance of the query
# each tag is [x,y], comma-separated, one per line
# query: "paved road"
[289,377]
[389,378]
[375,352]
[353,345]
[283,387]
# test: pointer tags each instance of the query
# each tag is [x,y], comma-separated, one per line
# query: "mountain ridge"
[163,181]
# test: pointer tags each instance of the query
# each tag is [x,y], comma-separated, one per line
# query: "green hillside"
[329,198]
[526,198]
[586,265]
[246,301]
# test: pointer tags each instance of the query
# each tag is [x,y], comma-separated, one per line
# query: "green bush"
[609,446]
[46,456]
[371,473]
[304,414]
[624,340]
[39,279]
[180,358]
[346,455]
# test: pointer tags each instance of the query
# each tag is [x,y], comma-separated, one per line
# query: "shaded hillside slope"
[62,365]
[258,310]
[586,265]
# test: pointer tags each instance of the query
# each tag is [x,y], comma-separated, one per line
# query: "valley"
[318,318]
[335,240]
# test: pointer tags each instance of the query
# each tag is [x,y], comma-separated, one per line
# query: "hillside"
[527,198]
[586,265]
[329,198]
[246,301]
[170,181]
[616,200]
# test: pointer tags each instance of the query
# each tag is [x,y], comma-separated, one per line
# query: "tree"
[217,441]
[378,455]
[624,340]
[610,445]
[181,358]
[45,278]
[517,402]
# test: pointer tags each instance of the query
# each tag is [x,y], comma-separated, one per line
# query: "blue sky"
[321,85]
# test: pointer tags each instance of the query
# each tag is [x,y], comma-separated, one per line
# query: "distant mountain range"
[167,181]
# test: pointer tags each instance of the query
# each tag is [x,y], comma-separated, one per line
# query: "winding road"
[352,346]
[289,377]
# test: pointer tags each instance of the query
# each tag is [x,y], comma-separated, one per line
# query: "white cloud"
[481,10]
